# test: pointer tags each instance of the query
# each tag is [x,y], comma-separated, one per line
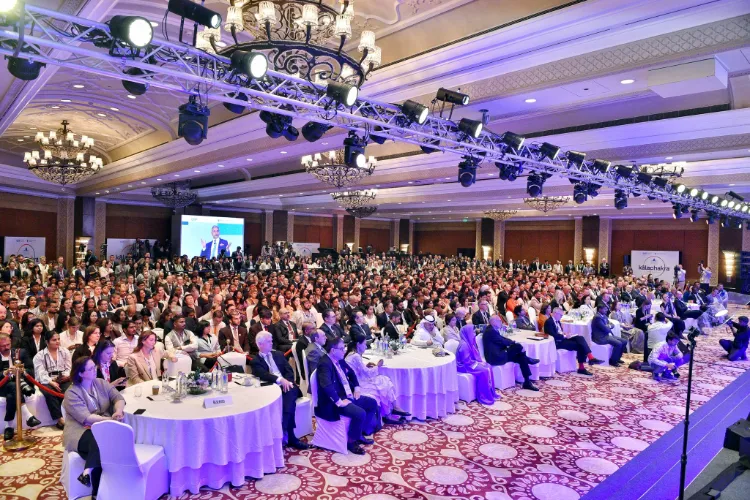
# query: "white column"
[395,230]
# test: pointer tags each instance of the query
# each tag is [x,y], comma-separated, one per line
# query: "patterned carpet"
[554,444]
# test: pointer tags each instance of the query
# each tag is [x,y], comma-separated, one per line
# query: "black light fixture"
[723,221]
[314,131]
[685,209]
[193,122]
[600,166]
[661,182]
[23,69]
[415,112]
[535,185]
[677,211]
[354,151]
[378,139]
[694,215]
[643,178]
[550,151]
[467,172]
[621,199]
[513,141]
[195,12]
[342,93]
[236,108]
[710,218]
[472,128]
[428,150]
[509,172]
[135,88]
[278,125]
[593,189]
[252,64]
[452,97]
[575,158]
[623,171]
[580,192]
[135,31]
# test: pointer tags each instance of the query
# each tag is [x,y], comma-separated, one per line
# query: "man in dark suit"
[8,391]
[325,303]
[271,367]
[314,351]
[499,350]
[670,312]
[737,348]
[331,327]
[502,298]
[576,343]
[303,342]
[696,295]
[390,331]
[215,246]
[264,325]
[11,272]
[627,295]
[682,309]
[234,335]
[601,333]
[339,395]
[284,332]
[604,268]
[482,316]
[82,272]
[383,318]
[360,325]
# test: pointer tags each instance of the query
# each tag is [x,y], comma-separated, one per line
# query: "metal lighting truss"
[54,38]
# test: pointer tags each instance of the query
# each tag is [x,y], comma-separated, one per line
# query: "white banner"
[27,248]
[659,264]
[306,249]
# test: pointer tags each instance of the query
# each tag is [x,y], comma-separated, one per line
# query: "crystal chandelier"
[546,203]
[174,195]
[355,199]
[500,215]
[63,158]
[362,212]
[331,168]
[299,37]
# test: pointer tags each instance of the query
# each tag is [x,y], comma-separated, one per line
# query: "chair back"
[183,364]
[509,316]
[314,388]
[480,345]
[297,366]
[304,365]
[533,319]
[452,346]
[116,443]
[159,333]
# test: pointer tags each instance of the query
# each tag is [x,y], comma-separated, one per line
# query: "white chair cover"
[298,367]
[505,375]
[159,333]
[466,385]
[182,364]
[533,318]
[138,469]
[329,435]
[509,316]
[603,352]
[72,467]
[566,361]
[234,359]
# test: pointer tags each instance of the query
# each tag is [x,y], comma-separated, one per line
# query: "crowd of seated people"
[141,312]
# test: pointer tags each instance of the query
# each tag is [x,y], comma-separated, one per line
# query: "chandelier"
[362,212]
[355,199]
[331,168]
[299,37]
[174,195]
[500,215]
[63,158]
[546,203]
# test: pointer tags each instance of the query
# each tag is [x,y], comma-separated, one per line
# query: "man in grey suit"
[314,352]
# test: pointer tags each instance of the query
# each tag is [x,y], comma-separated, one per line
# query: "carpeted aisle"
[554,444]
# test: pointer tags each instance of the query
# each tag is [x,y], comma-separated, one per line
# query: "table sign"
[216,401]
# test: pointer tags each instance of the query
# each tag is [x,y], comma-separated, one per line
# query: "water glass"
[138,391]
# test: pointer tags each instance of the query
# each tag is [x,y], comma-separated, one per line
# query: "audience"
[499,350]
[145,362]
[468,360]
[52,369]
[106,365]
[666,358]
[737,347]
[566,342]
[602,334]
[91,337]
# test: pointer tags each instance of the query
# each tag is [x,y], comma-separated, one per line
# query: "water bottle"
[403,342]
[224,382]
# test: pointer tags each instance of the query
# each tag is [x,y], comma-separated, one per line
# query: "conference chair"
[129,469]
[72,467]
[159,333]
[533,318]
[566,361]
[466,383]
[298,367]
[183,364]
[505,375]
[328,435]
[509,316]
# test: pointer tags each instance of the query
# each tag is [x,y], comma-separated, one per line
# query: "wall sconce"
[405,247]
[486,251]
[350,245]
[729,264]
[589,254]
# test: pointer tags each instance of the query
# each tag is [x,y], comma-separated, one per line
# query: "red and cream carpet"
[554,444]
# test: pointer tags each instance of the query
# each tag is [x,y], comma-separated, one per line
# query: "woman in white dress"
[376,386]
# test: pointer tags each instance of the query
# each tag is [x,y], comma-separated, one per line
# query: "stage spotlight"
[513,141]
[342,93]
[621,199]
[535,185]
[730,204]
[744,209]
[593,190]
[23,69]
[378,139]
[710,218]
[452,97]
[575,158]
[415,112]
[694,192]
[472,128]
[580,192]
[704,196]
[677,211]
[509,172]
[195,12]
[278,125]
[694,216]
[132,30]
[193,122]
[600,166]
[135,88]
[428,150]
[251,64]
[624,172]
[681,189]
[550,151]
[7,5]
[723,221]
[715,199]
[236,108]
[467,172]
[354,151]
[290,133]
[643,178]
[314,131]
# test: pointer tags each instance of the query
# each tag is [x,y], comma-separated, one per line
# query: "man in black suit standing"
[272,367]
[284,331]
[601,333]
[576,343]
[331,327]
[339,395]
[499,350]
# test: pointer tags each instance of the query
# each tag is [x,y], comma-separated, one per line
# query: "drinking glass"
[138,391]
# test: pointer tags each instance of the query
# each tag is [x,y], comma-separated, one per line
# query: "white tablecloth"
[426,385]
[543,349]
[208,447]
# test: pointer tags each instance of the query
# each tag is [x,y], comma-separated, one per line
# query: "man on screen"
[215,246]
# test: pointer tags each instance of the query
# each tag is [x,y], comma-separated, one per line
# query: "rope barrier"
[43,388]
[4,381]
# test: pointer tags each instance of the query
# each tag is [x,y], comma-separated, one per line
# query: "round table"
[208,447]
[426,385]
[542,349]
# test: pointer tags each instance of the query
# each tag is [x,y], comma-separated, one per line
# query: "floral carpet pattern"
[555,444]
